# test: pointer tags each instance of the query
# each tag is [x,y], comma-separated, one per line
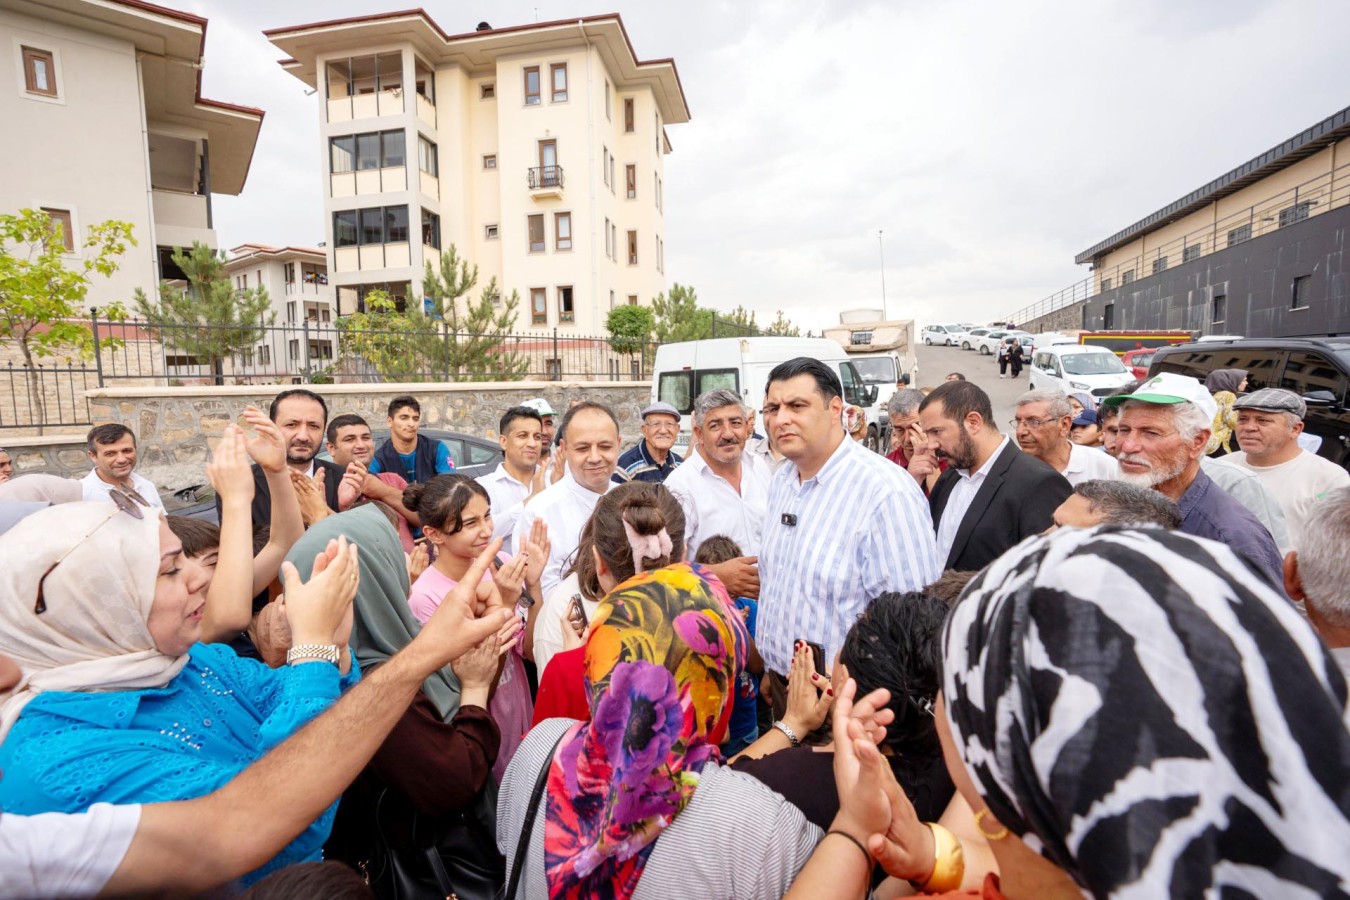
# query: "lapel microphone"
[789,520]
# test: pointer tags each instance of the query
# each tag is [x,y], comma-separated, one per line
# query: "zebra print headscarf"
[1145,711]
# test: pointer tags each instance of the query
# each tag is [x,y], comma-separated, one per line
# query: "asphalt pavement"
[936,362]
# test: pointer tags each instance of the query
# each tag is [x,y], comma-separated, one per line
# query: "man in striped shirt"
[843,526]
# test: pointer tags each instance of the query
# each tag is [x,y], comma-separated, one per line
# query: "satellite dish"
[483,26]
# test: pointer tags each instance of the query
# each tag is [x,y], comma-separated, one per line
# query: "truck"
[684,370]
[1120,342]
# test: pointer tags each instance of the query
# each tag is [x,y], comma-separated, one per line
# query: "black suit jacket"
[1018,498]
[262,496]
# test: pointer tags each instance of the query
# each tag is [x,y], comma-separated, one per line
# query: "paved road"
[936,362]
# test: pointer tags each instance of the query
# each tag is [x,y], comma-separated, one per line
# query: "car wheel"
[965,345]
[928,342]
[984,351]
[873,440]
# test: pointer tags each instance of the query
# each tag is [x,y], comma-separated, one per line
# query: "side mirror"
[1319,398]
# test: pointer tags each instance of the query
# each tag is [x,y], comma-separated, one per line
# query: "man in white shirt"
[1269,422]
[519,477]
[1042,423]
[112,450]
[722,489]
[590,445]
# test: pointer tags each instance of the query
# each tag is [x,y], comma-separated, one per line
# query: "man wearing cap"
[652,459]
[1163,429]
[1269,422]
[546,416]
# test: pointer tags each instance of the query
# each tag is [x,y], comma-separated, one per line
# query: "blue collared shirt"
[638,465]
[862,529]
[1208,511]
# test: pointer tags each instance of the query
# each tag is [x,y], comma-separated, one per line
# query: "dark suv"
[1317,369]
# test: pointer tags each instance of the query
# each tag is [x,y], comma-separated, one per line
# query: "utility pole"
[881,247]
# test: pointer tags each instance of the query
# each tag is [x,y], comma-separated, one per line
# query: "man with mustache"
[1162,432]
[994,495]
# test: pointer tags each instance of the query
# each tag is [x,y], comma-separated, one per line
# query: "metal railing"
[546,177]
[47,394]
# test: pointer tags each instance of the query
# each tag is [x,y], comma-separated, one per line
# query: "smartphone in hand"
[817,657]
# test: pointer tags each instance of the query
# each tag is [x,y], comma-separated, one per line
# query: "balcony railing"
[546,177]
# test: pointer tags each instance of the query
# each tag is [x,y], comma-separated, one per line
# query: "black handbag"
[413,858]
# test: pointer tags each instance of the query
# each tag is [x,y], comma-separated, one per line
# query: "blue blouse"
[69,750]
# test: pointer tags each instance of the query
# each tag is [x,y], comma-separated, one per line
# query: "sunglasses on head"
[129,503]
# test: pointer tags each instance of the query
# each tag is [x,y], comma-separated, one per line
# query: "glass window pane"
[391,70]
[676,388]
[368,151]
[394,154]
[536,233]
[396,224]
[363,75]
[344,154]
[426,156]
[372,226]
[344,228]
[532,85]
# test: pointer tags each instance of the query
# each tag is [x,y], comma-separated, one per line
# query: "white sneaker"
[1003,376]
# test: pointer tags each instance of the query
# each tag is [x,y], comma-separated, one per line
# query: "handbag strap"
[531,811]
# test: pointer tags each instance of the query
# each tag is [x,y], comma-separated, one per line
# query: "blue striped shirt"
[862,529]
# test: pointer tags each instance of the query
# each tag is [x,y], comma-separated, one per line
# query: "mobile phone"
[576,614]
[817,656]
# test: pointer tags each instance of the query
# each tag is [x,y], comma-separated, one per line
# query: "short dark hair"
[401,401]
[826,381]
[519,412]
[346,420]
[717,549]
[957,375]
[110,433]
[199,537]
[296,392]
[959,399]
[582,407]
[949,585]
[1122,503]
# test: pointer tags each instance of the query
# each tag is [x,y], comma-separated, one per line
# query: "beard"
[299,456]
[1156,474]
[965,454]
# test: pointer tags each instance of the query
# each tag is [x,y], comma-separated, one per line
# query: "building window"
[1190,253]
[630,175]
[566,313]
[632,248]
[562,231]
[1109,317]
[537,233]
[531,85]
[1219,311]
[608,114]
[288,273]
[489,232]
[657,117]
[628,115]
[632,300]
[241,281]
[538,306]
[1106,285]
[487,91]
[611,299]
[1127,277]
[39,72]
[604,165]
[657,192]
[365,75]
[489,160]
[1296,213]
[558,79]
[612,180]
[60,220]
[1302,284]
[265,354]
[426,157]
[660,254]
[1159,265]
[372,150]
[609,243]
[1239,234]
[614,239]
[363,227]
[431,229]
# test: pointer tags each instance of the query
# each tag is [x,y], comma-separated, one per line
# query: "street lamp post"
[881,248]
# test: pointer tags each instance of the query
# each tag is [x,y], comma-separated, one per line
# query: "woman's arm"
[268,449]
[807,707]
[229,606]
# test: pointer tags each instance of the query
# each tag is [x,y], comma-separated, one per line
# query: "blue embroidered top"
[69,750]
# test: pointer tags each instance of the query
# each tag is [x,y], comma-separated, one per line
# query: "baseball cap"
[661,406]
[1086,417]
[1274,400]
[540,405]
[1168,388]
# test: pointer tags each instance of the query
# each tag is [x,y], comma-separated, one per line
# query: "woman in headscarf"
[1138,713]
[118,703]
[635,802]
[439,756]
[1224,385]
[1081,400]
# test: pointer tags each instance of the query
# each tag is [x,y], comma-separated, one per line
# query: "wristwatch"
[312,652]
[787,732]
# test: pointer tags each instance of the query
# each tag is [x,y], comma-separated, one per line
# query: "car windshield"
[1092,364]
[876,370]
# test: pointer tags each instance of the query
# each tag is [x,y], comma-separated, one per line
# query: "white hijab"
[93,636]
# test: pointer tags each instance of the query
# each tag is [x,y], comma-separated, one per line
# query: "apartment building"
[106,96]
[537,151]
[296,281]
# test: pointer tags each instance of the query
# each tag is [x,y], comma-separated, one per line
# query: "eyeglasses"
[1030,423]
[122,503]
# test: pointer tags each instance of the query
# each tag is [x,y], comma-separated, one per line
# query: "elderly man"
[994,495]
[722,489]
[1317,573]
[1042,422]
[652,460]
[1162,432]
[909,447]
[1269,422]
[1115,502]
[843,524]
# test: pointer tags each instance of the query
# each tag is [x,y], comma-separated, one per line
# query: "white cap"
[540,405]
[1169,388]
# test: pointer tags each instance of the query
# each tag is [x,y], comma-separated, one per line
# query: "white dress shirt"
[712,506]
[96,488]
[1089,464]
[548,623]
[959,500]
[507,498]
[565,506]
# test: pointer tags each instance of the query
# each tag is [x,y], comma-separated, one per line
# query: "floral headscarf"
[661,660]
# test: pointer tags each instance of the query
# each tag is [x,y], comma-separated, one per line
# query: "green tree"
[630,328]
[740,323]
[389,340]
[40,297]
[783,327]
[678,317]
[210,320]
[477,347]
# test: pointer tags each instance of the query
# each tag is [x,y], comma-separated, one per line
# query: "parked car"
[966,340]
[1317,369]
[1137,361]
[1073,367]
[987,343]
[941,334]
[991,343]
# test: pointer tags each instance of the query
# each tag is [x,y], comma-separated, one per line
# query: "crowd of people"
[1091,652]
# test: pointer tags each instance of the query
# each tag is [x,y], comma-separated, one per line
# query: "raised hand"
[313,506]
[477,669]
[418,561]
[537,549]
[510,579]
[466,617]
[267,446]
[228,471]
[319,611]
[557,468]
[860,773]
[352,486]
[807,707]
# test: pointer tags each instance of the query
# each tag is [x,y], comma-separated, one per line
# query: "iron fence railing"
[46,394]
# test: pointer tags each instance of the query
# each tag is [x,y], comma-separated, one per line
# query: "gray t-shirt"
[736,838]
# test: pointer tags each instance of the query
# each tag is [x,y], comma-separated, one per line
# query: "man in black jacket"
[994,495]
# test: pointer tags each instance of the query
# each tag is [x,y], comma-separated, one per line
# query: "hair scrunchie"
[650,546]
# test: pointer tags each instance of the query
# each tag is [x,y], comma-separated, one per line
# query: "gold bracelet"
[949,862]
[989,836]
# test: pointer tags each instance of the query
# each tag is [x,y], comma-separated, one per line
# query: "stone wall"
[177,427]
[1067,318]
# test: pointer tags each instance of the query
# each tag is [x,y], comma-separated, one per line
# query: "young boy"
[744,727]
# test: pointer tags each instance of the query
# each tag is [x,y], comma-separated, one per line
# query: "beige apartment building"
[537,151]
[296,280]
[107,122]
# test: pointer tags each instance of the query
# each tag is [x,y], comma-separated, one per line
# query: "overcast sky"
[990,141]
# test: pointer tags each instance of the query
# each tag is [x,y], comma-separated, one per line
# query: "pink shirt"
[511,706]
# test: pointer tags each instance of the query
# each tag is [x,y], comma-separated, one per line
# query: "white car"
[941,334]
[987,343]
[967,340]
[1074,367]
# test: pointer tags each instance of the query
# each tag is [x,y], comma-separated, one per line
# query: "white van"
[685,370]
[1078,367]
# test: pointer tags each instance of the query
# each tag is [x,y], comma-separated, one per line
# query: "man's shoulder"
[632,455]
[1322,468]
